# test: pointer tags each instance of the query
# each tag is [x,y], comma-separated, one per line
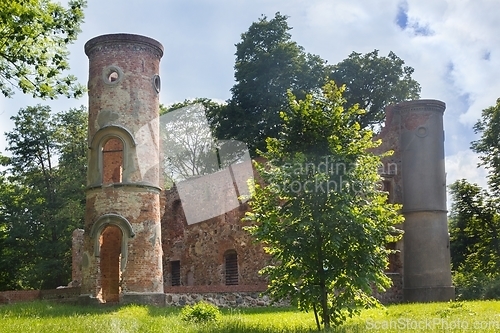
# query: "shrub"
[493,289]
[201,312]
[476,285]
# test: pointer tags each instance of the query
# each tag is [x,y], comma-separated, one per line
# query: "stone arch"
[96,157]
[112,220]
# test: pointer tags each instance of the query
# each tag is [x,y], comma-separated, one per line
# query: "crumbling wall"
[200,247]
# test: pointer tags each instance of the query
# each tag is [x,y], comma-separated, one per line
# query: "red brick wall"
[7,297]
[15,296]
[200,248]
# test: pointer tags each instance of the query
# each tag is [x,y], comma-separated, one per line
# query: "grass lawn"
[37,317]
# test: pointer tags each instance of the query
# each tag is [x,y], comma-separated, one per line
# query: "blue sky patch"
[402,15]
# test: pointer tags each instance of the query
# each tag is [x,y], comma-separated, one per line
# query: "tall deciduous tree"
[474,229]
[375,82]
[488,146]
[320,214]
[475,216]
[42,195]
[268,63]
[34,35]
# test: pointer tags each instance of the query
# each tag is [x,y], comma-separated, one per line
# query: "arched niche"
[112,220]
[96,153]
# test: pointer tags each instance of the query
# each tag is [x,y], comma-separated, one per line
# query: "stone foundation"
[224,300]
[395,293]
[157,299]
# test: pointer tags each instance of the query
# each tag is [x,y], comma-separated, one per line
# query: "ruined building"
[136,245]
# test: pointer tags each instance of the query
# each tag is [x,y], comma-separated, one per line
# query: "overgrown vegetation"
[34,47]
[43,317]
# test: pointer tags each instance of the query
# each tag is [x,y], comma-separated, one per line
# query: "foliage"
[488,146]
[474,226]
[375,82]
[33,47]
[474,220]
[201,312]
[320,214]
[268,63]
[477,285]
[42,196]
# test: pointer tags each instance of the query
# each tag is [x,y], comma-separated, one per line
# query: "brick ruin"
[136,245]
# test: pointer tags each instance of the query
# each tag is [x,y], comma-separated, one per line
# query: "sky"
[453,45]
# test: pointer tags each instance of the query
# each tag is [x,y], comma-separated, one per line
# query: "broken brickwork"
[201,248]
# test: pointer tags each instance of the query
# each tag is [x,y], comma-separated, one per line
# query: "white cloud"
[459,63]
[463,165]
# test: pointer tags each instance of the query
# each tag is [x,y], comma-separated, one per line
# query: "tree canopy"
[34,36]
[319,212]
[374,82]
[268,63]
[474,220]
[488,145]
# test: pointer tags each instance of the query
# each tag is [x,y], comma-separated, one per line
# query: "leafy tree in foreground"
[321,215]
[375,82]
[42,196]
[34,35]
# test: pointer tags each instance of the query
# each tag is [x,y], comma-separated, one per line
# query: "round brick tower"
[122,258]
[427,272]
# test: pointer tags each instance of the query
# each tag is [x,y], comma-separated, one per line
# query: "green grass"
[473,316]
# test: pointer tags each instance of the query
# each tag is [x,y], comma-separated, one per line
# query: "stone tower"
[122,258]
[414,130]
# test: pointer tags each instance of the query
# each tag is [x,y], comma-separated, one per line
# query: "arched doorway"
[110,243]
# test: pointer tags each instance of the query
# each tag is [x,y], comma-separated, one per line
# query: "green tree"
[43,195]
[474,229]
[474,220]
[268,63]
[374,82]
[488,145]
[9,263]
[321,215]
[33,47]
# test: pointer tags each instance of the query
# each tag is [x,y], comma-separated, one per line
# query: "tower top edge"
[433,104]
[121,38]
